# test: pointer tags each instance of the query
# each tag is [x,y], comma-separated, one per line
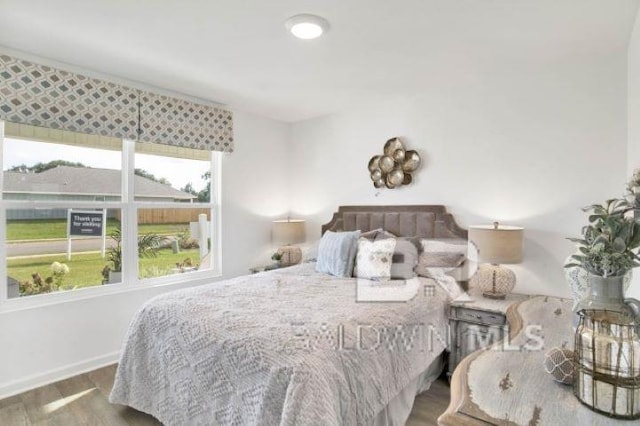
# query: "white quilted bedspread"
[286,347]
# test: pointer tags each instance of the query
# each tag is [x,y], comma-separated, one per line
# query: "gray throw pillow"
[337,253]
[376,234]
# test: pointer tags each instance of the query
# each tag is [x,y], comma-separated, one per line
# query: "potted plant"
[276,257]
[607,251]
[633,185]
[148,246]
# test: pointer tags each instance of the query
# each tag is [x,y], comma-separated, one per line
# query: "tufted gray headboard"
[403,221]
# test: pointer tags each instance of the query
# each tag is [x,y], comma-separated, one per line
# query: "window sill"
[43,300]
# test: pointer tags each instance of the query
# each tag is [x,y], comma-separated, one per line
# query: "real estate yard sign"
[86,224]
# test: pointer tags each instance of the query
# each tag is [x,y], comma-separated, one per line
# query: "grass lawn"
[85,269]
[57,228]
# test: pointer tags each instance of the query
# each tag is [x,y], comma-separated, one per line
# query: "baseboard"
[52,376]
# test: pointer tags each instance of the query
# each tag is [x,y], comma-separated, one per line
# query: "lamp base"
[494,295]
[494,281]
[290,255]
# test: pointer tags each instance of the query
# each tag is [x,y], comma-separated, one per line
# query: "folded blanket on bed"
[285,347]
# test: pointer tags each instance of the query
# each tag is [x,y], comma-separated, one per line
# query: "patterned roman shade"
[43,96]
[177,122]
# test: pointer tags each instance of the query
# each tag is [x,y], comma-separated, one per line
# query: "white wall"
[633,121]
[49,343]
[526,144]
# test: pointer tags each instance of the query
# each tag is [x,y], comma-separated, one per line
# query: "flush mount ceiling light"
[307,26]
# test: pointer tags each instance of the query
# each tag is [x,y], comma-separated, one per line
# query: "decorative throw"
[373,261]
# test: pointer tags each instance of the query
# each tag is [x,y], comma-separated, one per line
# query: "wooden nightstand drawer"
[476,324]
[479,317]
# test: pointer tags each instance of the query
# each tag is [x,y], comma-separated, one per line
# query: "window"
[82,211]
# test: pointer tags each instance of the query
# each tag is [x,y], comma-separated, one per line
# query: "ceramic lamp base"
[290,255]
[494,281]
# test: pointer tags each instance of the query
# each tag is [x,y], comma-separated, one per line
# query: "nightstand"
[263,268]
[510,386]
[477,324]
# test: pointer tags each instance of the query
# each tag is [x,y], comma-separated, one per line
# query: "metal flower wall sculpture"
[393,169]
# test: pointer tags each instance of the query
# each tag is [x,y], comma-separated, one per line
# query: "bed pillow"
[443,253]
[373,261]
[405,259]
[337,252]
[376,234]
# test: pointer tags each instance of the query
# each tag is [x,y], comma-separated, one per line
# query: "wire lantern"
[607,359]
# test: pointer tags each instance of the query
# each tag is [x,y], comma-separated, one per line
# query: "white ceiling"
[237,52]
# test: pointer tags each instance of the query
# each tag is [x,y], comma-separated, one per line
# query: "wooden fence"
[155,216]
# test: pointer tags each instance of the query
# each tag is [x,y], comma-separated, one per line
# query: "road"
[55,247]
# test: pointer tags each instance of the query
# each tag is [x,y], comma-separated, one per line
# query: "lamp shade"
[497,244]
[288,231]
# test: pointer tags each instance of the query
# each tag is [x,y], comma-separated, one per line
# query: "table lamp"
[497,244]
[285,233]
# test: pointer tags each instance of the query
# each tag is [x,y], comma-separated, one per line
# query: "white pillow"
[374,258]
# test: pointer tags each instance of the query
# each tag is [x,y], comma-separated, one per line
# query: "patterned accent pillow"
[373,260]
[337,252]
[405,258]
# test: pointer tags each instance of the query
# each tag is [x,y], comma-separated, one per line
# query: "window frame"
[129,227]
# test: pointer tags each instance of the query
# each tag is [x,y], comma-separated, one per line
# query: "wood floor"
[83,400]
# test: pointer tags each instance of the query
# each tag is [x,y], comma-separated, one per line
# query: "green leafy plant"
[609,240]
[36,285]
[634,181]
[185,242]
[276,256]
[39,285]
[148,246]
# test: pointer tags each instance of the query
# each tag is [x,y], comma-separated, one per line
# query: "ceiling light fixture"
[307,26]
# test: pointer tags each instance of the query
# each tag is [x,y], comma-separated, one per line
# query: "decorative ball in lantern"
[376,175]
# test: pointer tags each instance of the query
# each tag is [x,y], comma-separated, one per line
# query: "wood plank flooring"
[84,400]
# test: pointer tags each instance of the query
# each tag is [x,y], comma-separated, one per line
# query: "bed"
[290,346]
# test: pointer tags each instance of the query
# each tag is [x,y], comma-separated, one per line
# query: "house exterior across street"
[80,184]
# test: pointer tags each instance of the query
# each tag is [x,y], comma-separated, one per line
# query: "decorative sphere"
[392,146]
[407,179]
[396,176]
[379,183]
[389,184]
[559,363]
[411,161]
[376,175]
[373,163]
[386,163]
[398,155]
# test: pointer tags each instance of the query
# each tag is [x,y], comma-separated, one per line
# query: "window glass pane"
[171,174]
[35,170]
[37,244]
[171,241]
